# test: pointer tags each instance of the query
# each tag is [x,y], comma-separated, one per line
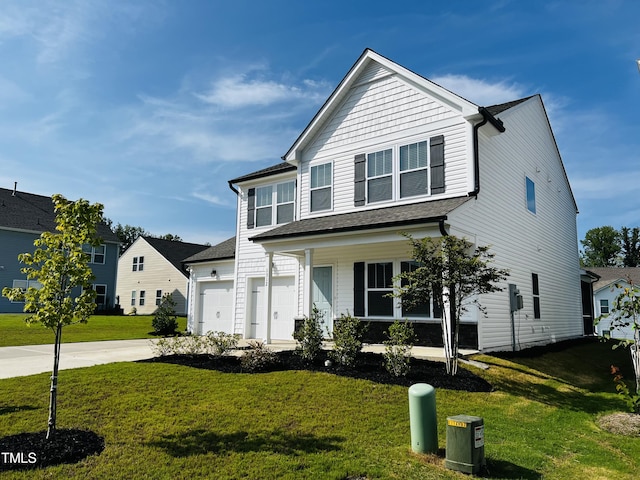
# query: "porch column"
[268,282]
[308,282]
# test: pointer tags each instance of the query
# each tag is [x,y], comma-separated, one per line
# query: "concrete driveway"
[32,359]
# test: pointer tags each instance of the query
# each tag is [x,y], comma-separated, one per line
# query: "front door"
[323,294]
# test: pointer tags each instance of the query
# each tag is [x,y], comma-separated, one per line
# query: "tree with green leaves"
[452,273]
[630,245]
[60,267]
[601,247]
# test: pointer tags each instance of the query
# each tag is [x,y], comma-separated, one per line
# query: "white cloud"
[481,92]
[213,199]
[613,185]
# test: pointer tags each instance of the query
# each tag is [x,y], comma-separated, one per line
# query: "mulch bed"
[27,451]
[369,367]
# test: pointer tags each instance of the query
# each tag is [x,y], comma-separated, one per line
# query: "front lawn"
[14,331]
[170,421]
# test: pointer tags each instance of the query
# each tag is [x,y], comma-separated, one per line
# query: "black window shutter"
[360,179]
[358,289]
[251,207]
[437,164]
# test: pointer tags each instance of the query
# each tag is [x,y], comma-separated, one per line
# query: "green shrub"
[347,340]
[631,399]
[165,320]
[310,336]
[258,358]
[397,350]
[220,343]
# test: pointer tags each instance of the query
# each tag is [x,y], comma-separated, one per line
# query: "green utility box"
[422,418]
[465,444]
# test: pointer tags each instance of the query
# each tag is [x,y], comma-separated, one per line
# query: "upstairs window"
[320,187]
[138,264]
[380,176]
[413,170]
[531,195]
[96,254]
[261,201]
[604,307]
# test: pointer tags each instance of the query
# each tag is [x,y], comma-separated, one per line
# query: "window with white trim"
[379,286]
[133,298]
[96,254]
[282,195]
[604,306]
[25,285]
[413,169]
[142,296]
[321,186]
[138,264]
[380,176]
[158,297]
[101,294]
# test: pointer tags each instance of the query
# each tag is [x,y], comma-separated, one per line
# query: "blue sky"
[149,107]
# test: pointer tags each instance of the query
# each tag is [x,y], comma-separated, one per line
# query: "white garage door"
[216,307]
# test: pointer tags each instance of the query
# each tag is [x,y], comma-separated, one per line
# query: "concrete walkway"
[32,359]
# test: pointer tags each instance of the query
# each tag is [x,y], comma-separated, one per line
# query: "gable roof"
[498,109]
[425,212]
[223,251]
[610,275]
[175,252]
[29,212]
[465,107]
[281,167]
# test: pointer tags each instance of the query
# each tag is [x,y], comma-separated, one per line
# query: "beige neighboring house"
[150,268]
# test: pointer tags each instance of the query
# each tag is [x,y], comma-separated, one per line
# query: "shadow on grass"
[562,395]
[196,442]
[502,469]
[12,409]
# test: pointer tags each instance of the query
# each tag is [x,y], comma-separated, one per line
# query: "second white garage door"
[216,307]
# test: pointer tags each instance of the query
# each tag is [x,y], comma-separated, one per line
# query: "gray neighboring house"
[605,292]
[23,218]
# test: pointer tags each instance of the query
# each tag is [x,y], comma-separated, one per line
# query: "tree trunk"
[53,396]
[454,329]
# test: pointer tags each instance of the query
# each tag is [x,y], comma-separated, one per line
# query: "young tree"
[601,247]
[61,268]
[453,274]
[625,312]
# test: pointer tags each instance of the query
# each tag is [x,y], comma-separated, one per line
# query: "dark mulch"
[32,450]
[369,367]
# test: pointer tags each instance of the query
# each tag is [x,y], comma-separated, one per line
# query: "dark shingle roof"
[281,167]
[34,213]
[174,251]
[497,109]
[223,251]
[609,275]
[366,220]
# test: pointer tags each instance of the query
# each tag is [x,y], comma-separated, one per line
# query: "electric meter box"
[465,444]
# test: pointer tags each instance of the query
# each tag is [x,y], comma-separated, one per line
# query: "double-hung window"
[138,264]
[379,286]
[158,297]
[264,200]
[133,298]
[101,294]
[96,254]
[604,306]
[380,176]
[321,187]
[142,296]
[285,199]
[413,169]
[283,196]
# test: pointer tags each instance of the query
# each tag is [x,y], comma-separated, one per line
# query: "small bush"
[220,343]
[347,337]
[162,347]
[310,336]
[165,320]
[631,399]
[189,345]
[397,350]
[258,358]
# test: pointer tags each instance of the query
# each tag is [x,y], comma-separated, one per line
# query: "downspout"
[486,117]
[234,189]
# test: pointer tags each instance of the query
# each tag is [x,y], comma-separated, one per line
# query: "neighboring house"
[149,269]
[605,292]
[23,218]
[391,152]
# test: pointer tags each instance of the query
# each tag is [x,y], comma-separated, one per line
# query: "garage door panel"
[216,307]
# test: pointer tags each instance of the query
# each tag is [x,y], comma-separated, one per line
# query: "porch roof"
[411,214]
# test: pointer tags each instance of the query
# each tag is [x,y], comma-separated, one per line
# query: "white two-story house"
[392,152]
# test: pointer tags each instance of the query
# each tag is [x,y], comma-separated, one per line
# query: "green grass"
[164,421]
[14,331]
